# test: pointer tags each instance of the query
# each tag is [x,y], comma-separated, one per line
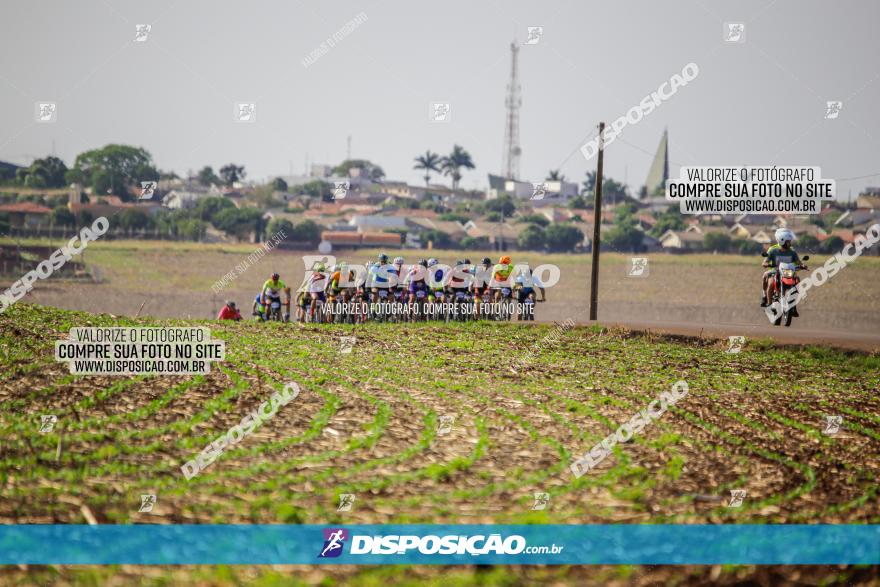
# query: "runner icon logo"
[736,498]
[541,501]
[832,424]
[47,423]
[334,541]
[444,425]
[147,502]
[638,267]
[735,344]
[346,500]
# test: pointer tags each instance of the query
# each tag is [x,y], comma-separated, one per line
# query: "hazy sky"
[760,102]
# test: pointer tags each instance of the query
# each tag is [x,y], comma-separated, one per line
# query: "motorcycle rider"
[782,252]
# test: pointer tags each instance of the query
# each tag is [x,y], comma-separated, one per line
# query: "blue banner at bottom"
[440,544]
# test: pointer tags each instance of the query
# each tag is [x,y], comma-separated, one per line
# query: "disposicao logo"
[334,541]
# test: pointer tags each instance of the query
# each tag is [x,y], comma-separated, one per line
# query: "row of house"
[370,213]
[848,224]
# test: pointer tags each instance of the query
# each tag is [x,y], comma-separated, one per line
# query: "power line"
[859,177]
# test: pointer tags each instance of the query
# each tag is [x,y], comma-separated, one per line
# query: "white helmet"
[398,260]
[432,261]
[784,234]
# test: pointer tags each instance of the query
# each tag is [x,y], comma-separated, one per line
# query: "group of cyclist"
[386,289]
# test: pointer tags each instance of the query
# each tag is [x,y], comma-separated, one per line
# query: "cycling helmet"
[275,277]
[459,262]
[334,268]
[423,263]
[398,260]
[320,267]
[230,303]
[432,261]
[505,260]
[487,261]
[467,261]
[784,234]
[383,258]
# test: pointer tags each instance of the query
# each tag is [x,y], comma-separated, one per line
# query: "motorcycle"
[784,280]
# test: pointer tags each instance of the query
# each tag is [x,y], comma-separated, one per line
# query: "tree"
[624,237]
[578,203]
[589,183]
[747,246]
[368,168]
[808,242]
[84,217]
[133,220]
[534,219]
[191,229]
[470,243]
[306,231]
[831,245]
[231,173]
[238,222]
[533,238]
[612,191]
[316,189]
[503,204]
[438,240]
[61,216]
[717,241]
[428,162]
[207,176]
[282,225]
[494,217]
[113,168]
[207,208]
[43,173]
[452,164]
[555,175]
[279,185]
[671,219]
[563,237]
[454,217]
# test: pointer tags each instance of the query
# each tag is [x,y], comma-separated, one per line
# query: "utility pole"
[597,224]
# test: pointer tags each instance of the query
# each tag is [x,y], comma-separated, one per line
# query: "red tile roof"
[25,207]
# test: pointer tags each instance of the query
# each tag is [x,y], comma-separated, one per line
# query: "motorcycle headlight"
[788,272]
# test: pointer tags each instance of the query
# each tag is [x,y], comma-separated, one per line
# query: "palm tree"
[453,162]
[590,183]
[555,175]
[429,162]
